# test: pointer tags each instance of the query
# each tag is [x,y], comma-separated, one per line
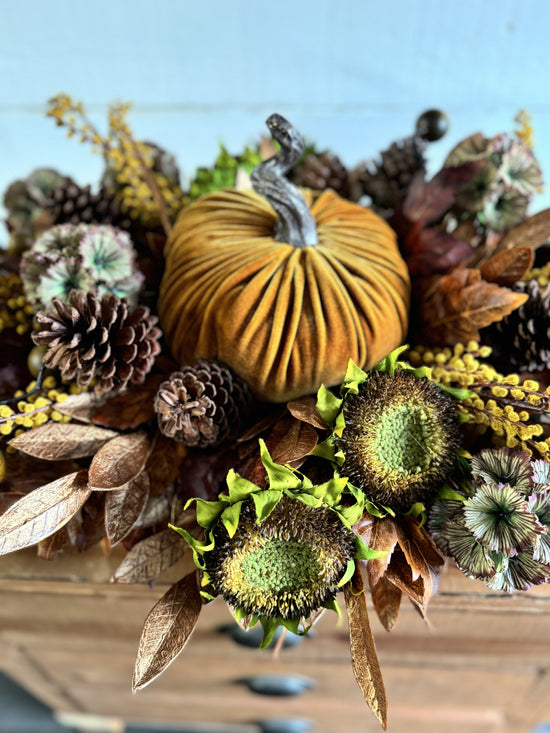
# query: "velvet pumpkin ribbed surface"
[287,319]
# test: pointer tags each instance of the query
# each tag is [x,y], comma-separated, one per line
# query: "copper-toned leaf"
[129,409]
[531,232]
[52,545]
[400,574]
[305,409]
[507,267]
[81,406]
[386,600]
[296,444]
[124,506]
[157,509]
[167,630]
[60,441]
[421,554]
[150,557]
[119,461]
[366,667]
[383,537]
[42,512]
[458,304]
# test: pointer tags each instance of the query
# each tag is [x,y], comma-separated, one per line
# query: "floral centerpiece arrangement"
[314,381]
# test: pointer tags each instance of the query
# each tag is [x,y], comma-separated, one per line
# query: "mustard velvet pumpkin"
[286,318]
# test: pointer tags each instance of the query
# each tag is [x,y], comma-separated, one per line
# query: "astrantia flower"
[495,530]
[62,277]
[98,259]
[520,170]
[498,517]
[108,254]
[278,554]
[501,212]
[397,434]
[503,466]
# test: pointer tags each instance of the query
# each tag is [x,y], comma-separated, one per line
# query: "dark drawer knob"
[283,685]
[285,725]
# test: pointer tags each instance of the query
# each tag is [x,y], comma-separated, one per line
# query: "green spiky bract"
[394,433]
[278,554]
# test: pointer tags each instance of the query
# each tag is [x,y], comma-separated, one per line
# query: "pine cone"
[386,181]
[202,405]
[320,171]
[521,340]
[73,204]
[91,338]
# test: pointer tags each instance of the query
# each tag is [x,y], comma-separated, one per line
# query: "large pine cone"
[320,171]
[203,405]
[386,180]
[91,338]
[521,340]
[73,204]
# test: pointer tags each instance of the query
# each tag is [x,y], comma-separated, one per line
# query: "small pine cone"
[521,340]
[202,405]
[386,181]
[92,338]
[73,204]
[320,171]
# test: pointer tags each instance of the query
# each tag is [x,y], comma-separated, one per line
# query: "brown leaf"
[458,304]
[532,232]
[386,599]
[305,409]
[49,548]
[383,537]
[119,461]
[42,512]
[400,574]
[167,630]
[507,267]
[433,250]
[61,441]
[129,409]
[150,557]
[81,406]
[427,201]
[421,554]
[164,462]
[124,506]
[157,509]
[366,667]
[296,444]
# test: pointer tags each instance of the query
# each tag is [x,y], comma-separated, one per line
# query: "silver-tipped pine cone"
[102,339]
[203,404]
[400,439]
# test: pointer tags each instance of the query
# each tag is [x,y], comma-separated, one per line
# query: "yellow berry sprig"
[502,403]
[15,311]
[34,407]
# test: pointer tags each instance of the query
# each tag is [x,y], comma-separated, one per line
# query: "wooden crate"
[481,665]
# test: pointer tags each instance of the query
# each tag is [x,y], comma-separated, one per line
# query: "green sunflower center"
[402,439]
[281,566]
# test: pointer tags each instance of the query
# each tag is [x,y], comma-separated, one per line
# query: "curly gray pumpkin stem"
[295,224]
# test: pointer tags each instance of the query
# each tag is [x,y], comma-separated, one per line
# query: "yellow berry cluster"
[15,311]
[142,191]
[525,130]
[34,409]
[502,403]
[540,274]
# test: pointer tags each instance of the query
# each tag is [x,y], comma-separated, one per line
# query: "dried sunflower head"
[278,554]
[396,434]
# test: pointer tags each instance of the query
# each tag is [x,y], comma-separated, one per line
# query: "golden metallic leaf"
[61,441]
[366,667]
[124,506]
[167,630]
[150,557]
[421,554]
[81,406]
[386,600]
[531,232]
[382,537]
[119,461]
[52,545]
[42,512]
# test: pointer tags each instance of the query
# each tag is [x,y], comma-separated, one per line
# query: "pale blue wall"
[352,74]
